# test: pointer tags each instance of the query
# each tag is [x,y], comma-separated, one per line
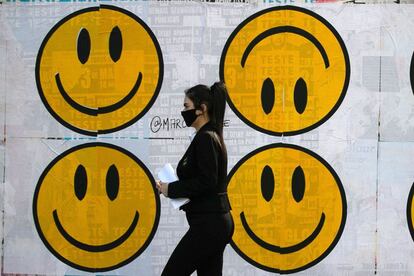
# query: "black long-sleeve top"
[202,173]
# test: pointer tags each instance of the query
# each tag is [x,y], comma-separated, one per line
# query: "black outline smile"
[285,29]
[279,249]
[96,248]
[99,110]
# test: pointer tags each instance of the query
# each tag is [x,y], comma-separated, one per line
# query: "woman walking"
[202,173]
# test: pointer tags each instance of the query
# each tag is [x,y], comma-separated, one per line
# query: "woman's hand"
[162,188]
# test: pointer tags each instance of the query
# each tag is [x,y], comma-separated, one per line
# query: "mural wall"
[319,129]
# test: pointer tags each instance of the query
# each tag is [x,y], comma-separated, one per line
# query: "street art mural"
[117,42]
[85,42]
[82,205]
[319,130]
[278,90]
[265,56]
[272,188]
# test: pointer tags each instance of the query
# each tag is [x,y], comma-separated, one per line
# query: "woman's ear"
[203,108]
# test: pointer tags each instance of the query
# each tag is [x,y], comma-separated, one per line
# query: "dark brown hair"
[214,98]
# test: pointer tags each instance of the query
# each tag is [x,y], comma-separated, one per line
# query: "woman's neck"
[201,122]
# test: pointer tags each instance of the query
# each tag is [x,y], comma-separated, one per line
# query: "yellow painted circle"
[95,207]
[99,70]
[286,70]
[289,208]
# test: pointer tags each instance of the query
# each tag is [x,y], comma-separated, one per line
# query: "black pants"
[202,246]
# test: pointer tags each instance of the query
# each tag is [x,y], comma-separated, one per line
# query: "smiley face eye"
[300,95]
[112,182]
[268,95]
[81,182]
[115,44]
[298,184]
[267,183]
[84,46]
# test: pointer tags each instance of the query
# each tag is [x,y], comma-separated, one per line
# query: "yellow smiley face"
[289,208]
[99,70]
[95,207]
[410,212]
[286,70]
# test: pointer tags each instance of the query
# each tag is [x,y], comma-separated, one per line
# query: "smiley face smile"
[99,110]
[279,249]
[285,29]
[96,248]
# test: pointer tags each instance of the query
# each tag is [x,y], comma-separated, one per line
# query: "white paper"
[167,174]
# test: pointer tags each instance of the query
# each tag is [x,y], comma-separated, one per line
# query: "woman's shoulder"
[207,138]
[207,134]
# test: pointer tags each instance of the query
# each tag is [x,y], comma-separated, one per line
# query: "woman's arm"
[207,169]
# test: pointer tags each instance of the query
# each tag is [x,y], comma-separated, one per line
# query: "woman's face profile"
[188,104]
[193,116]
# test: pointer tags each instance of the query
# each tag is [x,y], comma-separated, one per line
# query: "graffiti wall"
[319,129]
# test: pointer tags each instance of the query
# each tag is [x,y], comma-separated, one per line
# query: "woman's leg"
[201,247]
[181,261]
[193,250]
[213,266]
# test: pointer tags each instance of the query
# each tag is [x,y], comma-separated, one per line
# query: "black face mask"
[189,116]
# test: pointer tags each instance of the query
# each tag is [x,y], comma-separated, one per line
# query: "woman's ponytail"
[218,104]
